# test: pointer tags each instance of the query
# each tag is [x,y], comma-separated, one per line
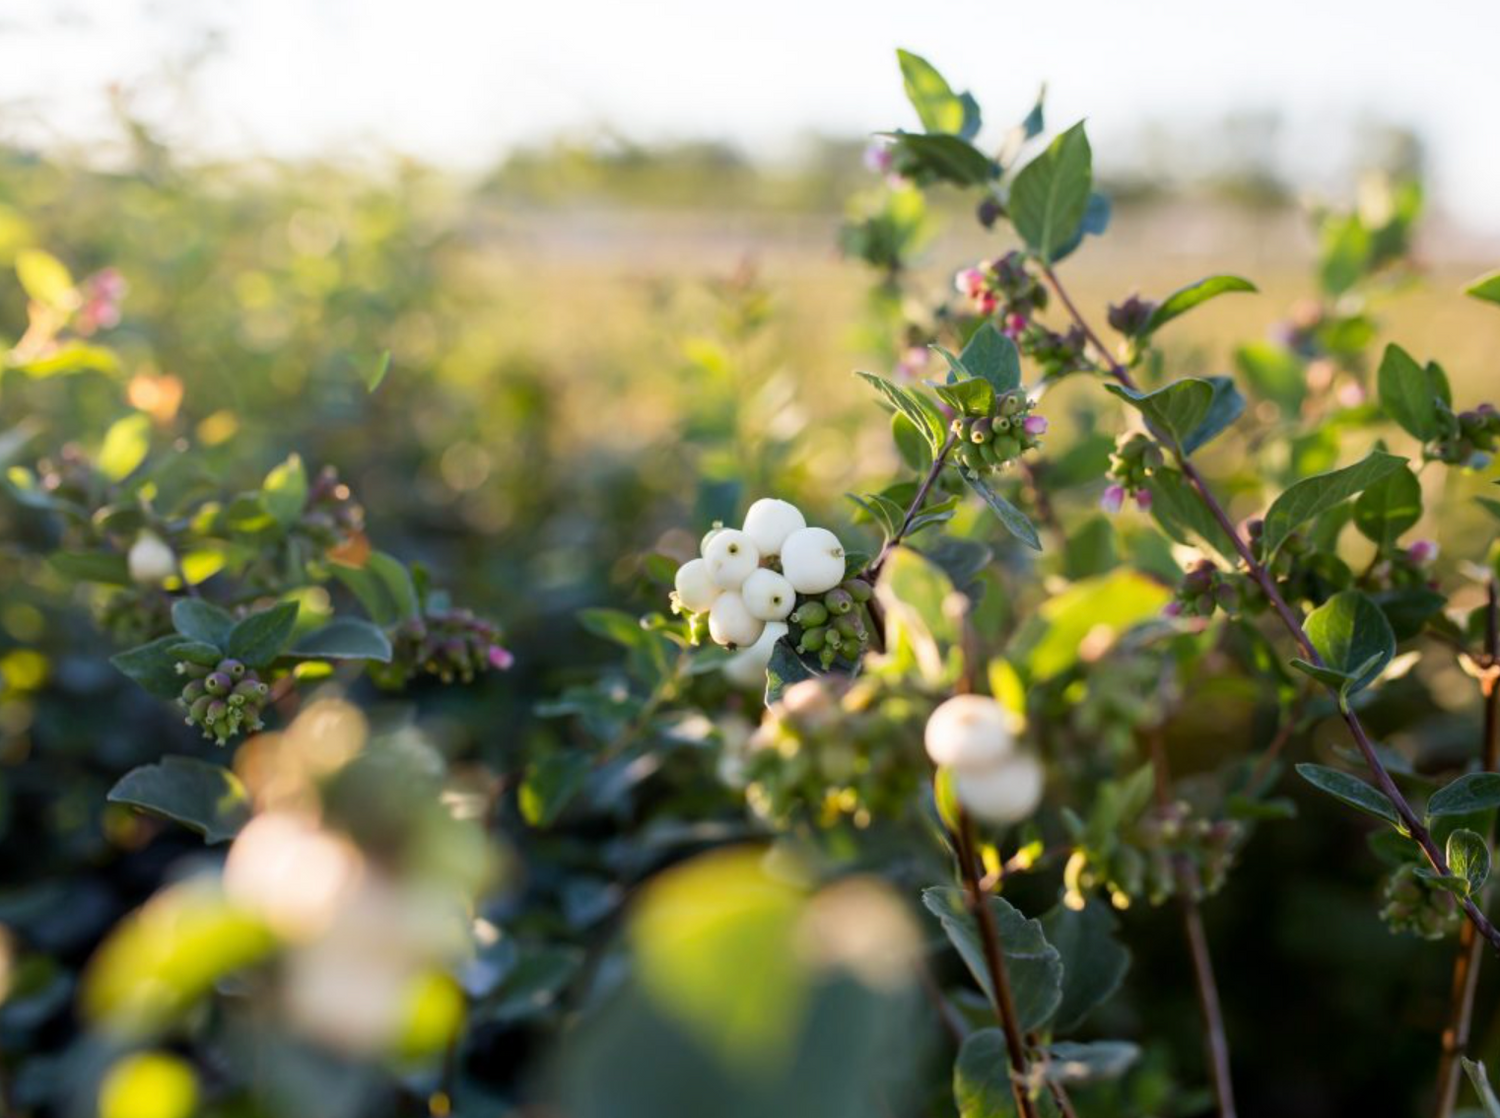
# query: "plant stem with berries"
[1387,786]
[939,460]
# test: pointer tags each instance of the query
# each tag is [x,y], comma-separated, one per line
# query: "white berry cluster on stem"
[996,781]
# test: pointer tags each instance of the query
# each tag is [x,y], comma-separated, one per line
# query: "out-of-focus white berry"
[731,557]
[969,732]
[809,703]
[768,595]
[1004,793]
[769,522]
[730,623]
[748,668]
[812,560]
[696,588]
[151,561]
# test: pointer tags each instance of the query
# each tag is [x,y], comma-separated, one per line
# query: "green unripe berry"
[1007,448]
[839,601]
[251,689]
[191,670]
[232,668]
[198,711]
[810,614]
[812,640]
[217,683]
[858,589]
[980,431]
[193,691]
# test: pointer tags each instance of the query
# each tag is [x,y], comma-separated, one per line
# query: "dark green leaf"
[1051,194]
[785,669]
[263,636]
[202,621]
[615,625]
[1353,637]
[1174,412]
[1095,221]
[204,797]
[1186,298]
[943,158]
[1470,793]
[1035,969]
[1389,507]
[1406,394]
[1350,790]
[1016,522]
[345,638]
[981,1080]
[383,586]
[911,443]
[923,415]
[550,785]
[1184,516]
[1223,409]
[153,666]
[110,568]
[968,397]
[993,356]
[1071,1063]
[1468,858]
[1094,962]
[1319,493]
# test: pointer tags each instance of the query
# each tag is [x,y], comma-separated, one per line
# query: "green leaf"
[1173,412]
[943,158]
[153,666]
[1474,1069]
[1389,507]
[1223,409]
[1350,790]
[345,638]
[1468,858]
[993,356]
[284,491]
[261,637]
[938,107]
[1406,394]
[69,357]
[615,625]
[923,415]
[1486,287]
[202,621]
[125,446]
[203,797]
[46,280]
[911,443]
[1095,221]
[550,784]
[968,397]
[1275,372]
[1094,962]
[110,568]
[981,1079]
[1111,604]
[1186,298]
[374,376]
[1315,495]
[1051,194]
[1469,793]
[1069,1062]
[1353,637]
[1033,964]
[785,668]
[1016,522]
[383,586]
[1184,516]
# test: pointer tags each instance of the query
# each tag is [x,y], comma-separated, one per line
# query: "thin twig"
[994,961]
[1284,734]
[1216,1038]
[939,460]
[1466,962]
[1410,821]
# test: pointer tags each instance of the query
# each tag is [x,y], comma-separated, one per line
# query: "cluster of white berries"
[747,579]
[996,781]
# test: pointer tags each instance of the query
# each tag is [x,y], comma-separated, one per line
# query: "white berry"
[1005,793]
[696,588]
[730,623]
[151,561]
[812,560]
[748,668]
[768,595]
[769,522]
[731,557]
[969,732]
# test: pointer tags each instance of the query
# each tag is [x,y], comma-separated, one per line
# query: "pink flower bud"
[500,659]
[969,282]
[1035,425]
[879,157]
[1422,552]
[1172,609]
[1015,325]
[1143,499]
[1114,497]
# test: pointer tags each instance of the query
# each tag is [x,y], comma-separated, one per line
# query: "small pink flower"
[1035,425]
[1113,499]
[1172,609]
[500,659]
[912,363]
[1143,499]
[1350,394]
[986,302]
[970,282]
[879,157]
[1015,326]
[1422,552]
[103,292]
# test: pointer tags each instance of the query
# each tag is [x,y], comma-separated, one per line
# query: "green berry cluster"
[221,698]
[1470,439]
[835,626]
[1136,457]
[1205,589]
[1163,851]
[1410,904]
[989,442]
[454,645]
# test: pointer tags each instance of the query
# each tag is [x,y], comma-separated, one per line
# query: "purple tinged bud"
[1422,552]
[1172,609]
[1113,499]
[1143,499]
[1035,425]
[501,659]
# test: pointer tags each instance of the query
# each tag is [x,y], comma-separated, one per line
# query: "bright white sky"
[461,80]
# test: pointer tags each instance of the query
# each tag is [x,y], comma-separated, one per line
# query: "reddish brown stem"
[1410,822]
[994,961]
[1466,962]
[938,461]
